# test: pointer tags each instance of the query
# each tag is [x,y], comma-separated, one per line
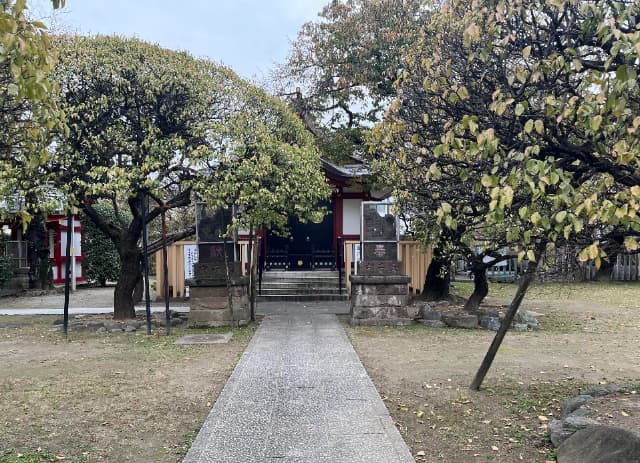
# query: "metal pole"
[145,261]
[67,279]
[165,265]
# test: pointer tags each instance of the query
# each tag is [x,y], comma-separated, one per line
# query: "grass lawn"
[105,397]
[609,294]
[588,335]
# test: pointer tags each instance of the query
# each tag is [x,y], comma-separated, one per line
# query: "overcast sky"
[247,35]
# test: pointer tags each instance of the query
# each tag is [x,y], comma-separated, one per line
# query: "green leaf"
[596,122]
[519,109]
[539,125]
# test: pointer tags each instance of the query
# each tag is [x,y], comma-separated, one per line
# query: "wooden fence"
[414,257]
[176,264]
[415,260]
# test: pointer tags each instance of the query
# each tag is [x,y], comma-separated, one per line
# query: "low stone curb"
[78,324]
[487,320]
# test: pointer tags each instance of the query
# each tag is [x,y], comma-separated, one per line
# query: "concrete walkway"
[299,394]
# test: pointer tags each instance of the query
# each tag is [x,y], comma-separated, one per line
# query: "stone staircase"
[317,285]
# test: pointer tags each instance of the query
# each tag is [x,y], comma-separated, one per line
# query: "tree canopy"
[137,114]
[28,110]
[516,122]
[345,64]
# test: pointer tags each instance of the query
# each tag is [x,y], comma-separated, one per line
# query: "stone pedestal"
[381,300]
[209,301]
[209,294]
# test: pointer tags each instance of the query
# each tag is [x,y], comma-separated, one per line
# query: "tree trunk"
[480,288]
[525,281]
[437,281]
[130,271]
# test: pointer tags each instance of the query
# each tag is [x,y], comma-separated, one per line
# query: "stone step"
[303,297]
[301,284]
[310,291]
[299,275]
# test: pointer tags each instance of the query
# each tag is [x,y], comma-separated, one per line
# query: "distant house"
[16,244]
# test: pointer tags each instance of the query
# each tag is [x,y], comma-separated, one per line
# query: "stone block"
[433,323]
[460,320]
[373,300]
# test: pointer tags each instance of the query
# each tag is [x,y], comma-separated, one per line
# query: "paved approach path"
[299,394]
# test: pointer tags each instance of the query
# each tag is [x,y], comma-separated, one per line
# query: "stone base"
[381,300]
[210,303]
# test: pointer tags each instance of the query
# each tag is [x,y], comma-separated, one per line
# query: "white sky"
[250,36]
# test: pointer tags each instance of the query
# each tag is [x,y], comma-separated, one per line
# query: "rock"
[460,320]
[424,307]
[130,328]
[101,330]
[58,321]
[56,328]
[582,412]
[560,430]
[598,391]
[433,323]
[116,330]
[526,318]
[443,303]
[573,404]
[490,323]
[429,314]
[520,327]
[94,326]
[600,444]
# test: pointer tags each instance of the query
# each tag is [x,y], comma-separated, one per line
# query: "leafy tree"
[346,63]
[265,164]
[523,116]
[28,118]
[136,114]
[101,261]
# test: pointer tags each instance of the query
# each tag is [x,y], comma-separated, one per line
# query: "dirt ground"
[105,397]
[423,375]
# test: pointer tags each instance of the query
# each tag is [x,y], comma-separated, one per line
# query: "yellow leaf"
[623,413]
[420,414]
[531,255]
[526,52]
[543,418]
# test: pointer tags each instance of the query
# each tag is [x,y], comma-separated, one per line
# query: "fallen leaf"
[623,413]
[543,418]
[421,453]
[494,448]
[420,414]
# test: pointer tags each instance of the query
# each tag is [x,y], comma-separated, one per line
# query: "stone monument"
[218,293]
[380,292]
